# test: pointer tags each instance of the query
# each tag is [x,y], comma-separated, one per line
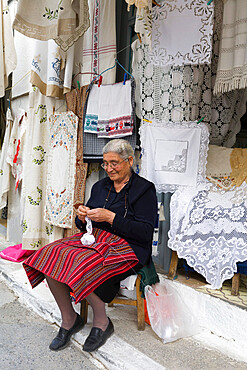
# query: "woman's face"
[117,168]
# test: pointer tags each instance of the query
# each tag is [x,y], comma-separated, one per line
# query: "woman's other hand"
[101,215]
[82,212]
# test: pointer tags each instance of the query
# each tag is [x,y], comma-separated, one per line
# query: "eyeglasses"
[113,165]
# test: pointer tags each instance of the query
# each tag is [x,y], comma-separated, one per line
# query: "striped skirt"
[83,268]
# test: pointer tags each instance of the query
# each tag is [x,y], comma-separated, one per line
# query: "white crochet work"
[88,237]
[209,230]
[174,154]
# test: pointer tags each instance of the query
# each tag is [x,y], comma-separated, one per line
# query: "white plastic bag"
[169,317]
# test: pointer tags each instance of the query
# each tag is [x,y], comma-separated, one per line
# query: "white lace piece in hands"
[88,238]
[182,32]
[209,230]
[174,154]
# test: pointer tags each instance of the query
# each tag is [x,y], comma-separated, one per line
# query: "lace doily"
[185,93]
[182,32]
[174,154]
[209,229]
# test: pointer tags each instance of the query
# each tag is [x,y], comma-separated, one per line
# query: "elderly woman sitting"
[123,209]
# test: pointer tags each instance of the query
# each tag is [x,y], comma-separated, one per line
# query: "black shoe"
[62,339]
[98,337]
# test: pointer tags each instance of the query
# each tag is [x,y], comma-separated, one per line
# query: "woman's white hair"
[120,147]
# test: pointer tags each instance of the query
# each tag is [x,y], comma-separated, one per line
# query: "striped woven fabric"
[82,268]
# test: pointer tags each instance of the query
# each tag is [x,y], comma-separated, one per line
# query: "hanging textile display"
[46,69]
[59,199]
[182,32]
[174,154]
[64,21]
[8,57]
[36,232]
[75,103]
[209,230]
[185,93]
[92,144]
[4,167]
[232,65]
[98,49]
[143,26]
[15,153]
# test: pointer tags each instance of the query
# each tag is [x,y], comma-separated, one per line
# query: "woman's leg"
[100,320]
[61,293]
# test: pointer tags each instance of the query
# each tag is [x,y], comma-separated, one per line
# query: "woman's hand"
[82,212]
[101,215]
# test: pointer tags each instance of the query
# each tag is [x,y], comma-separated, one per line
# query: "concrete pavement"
[128,348]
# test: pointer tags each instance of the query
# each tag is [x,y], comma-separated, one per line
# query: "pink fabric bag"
[15,253]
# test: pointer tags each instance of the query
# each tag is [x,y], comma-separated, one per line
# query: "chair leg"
[235,284]
[84,310]
[173,265]
[140,306]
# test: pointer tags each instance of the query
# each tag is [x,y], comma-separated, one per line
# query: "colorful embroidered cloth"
[111,110]
[92,115]
[37,232]
[174,154]
[75,102]
[8,59]
[98,51]
[182,32]
[115,118]
[16,145]
[61,169]
[51,73]
[232,64]
[64,21]
[4,167]
[209,230]
[82,268]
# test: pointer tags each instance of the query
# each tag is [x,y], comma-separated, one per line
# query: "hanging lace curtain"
[185,93]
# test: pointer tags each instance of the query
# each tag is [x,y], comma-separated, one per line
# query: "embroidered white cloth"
[182,32]
[51,73]
[115,110]
[64,20]
[232,64]
[8,57]
[98,50]
[174,154]
[17,143]
[209,229]
[4,166]
[143,26]
[92,113]
[61,169]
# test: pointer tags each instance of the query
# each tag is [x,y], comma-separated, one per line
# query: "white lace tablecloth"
[209,230]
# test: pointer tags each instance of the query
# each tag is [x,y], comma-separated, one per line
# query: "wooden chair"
[138,302]
[173,271]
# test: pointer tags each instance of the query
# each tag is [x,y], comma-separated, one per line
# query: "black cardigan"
[139,197]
